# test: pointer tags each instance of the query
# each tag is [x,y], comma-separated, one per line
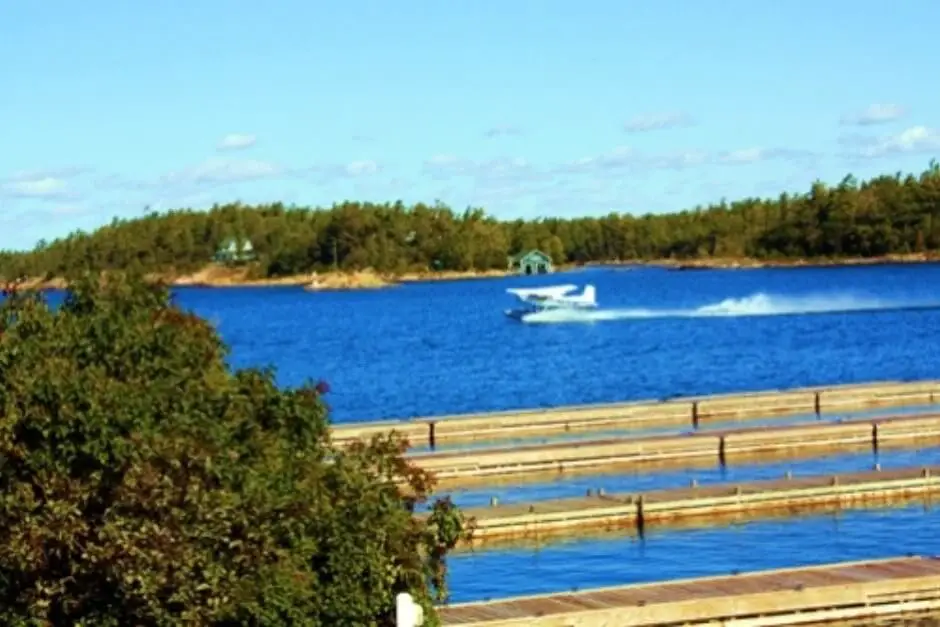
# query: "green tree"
[871,218]
[145,483]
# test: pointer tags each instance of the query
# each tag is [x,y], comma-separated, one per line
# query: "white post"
[407,612]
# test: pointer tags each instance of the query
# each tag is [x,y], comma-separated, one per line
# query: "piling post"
[721,451]
[874,437]
[817,405]
[640,517]
[695,417]
[432,435]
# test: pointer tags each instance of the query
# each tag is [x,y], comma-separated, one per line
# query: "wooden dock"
[695,449]
[847,591]
[714,504]
[676,412]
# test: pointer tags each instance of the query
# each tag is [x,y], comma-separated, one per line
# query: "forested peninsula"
[352,244]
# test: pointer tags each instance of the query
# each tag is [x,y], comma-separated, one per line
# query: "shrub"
[143,482]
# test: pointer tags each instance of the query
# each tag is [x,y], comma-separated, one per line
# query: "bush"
[145,483]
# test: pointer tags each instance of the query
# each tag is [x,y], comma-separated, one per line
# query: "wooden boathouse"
[531,262]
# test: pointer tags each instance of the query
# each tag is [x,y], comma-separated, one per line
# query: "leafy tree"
[145,483]
[882,216]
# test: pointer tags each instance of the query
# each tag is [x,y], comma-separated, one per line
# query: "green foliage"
[888,214]
[144,483]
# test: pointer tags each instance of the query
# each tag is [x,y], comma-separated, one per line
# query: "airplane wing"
[548,292]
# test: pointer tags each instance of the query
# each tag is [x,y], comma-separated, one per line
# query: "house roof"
[531,253]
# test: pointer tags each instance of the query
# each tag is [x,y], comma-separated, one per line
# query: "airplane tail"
[589,295]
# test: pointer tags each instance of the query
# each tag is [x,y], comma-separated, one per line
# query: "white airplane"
[553,297]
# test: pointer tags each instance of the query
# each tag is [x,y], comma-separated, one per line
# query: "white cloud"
[916,139]
[41,184]
[44,187]
[68,172]
[487,175]
[745,155]
[68,210]
[657,121]
[502,131]
[237,141]
[626,158]
[874,114]
[215,171]
[755,155]
[362,168]
[619,158]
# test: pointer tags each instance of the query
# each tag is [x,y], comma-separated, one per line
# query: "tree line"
[888,214]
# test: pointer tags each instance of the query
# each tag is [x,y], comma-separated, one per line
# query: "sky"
[111,108]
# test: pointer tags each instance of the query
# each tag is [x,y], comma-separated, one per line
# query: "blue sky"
[523,107]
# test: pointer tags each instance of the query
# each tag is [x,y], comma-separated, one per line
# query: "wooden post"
[432,436]
[874,437]
[695,414]
[640,518]
[721,451]
[817,405]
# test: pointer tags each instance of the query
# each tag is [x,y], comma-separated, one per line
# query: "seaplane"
[536,300]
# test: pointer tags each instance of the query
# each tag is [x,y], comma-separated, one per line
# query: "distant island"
[889,218]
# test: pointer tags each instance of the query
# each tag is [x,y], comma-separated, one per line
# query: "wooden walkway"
[703,504]
[675,412]
[701,448]
[834,592]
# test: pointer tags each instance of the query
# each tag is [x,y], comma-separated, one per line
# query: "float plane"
[551,298]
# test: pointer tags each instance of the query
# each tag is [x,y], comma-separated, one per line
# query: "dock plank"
[712,504]
[846,587]
[697,448]
[633,415]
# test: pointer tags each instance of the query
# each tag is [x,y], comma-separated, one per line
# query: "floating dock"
[876,589]
[676,412]
[707,504]
[695,449]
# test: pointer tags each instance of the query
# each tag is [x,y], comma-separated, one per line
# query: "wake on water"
[759,304]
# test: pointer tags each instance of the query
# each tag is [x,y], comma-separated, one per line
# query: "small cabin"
[234,251]
[531,262]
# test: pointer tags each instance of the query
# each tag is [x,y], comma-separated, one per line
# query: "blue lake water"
[590,563]
[435,348]
[439,348]
[626,483]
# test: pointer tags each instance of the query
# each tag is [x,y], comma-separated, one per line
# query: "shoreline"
[214,276]
[745,263]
